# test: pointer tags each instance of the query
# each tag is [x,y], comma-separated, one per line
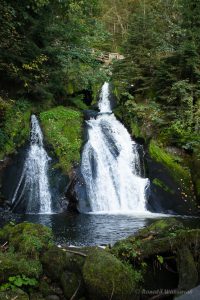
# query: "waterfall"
[104,103]
[33,186]
[111,165]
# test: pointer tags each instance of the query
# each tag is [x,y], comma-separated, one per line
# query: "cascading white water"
[111,165]
[33,184]
[104,103]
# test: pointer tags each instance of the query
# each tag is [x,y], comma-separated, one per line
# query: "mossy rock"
[72,285]
[161,227]
[45,287]
[5,232]
[163,245]
[63,130]
[74,262]
[63,260]
[163,186]
[27,238]
[106,277]
[131,248]
[196,175]
[17,294]
[172,188]
[187,269]
[179,172]
[12,264]
[162,236]
[54,262]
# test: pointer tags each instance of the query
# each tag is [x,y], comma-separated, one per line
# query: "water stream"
[33,187]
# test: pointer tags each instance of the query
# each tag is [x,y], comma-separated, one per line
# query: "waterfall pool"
[92,229]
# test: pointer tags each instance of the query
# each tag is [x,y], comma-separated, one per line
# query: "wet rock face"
[3,165]
[166,195]
[76,194]
[195,168]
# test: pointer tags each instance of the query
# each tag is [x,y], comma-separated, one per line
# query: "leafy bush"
[3,139]
[18,281]
[15,127]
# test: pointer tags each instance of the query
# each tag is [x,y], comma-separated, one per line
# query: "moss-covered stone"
[63,130]
[161,227]
[54,261]
[45,288]
[27,238]
[166,245]
[162,236]
[17,294]
[17,264]
[72,285]
[162,185]
[160,155]
[74,262]
[63,260]
[148,241]
[107,278]
[188,274]
[119,273]
[195,166]
[172,184]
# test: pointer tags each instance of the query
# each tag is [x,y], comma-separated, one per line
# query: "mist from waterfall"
[111,165]
[33,186]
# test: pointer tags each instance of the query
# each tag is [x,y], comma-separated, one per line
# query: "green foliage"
[161,72]
[27,238]
[14,130]
[78,102]
[160,259]
[46,45]
[13,264]
[18,281]
[63,130]
[128,252]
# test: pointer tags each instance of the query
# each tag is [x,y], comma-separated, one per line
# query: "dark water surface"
[80,229]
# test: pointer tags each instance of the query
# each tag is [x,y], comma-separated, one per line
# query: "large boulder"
[106,277]
[27,238]
[54,262]
[63,259]
[188,274]
[72,285]
[65,266]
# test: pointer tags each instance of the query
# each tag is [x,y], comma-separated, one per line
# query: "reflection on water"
[80,229]
[74,229]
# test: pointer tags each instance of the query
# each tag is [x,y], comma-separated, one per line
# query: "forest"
[99,146]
